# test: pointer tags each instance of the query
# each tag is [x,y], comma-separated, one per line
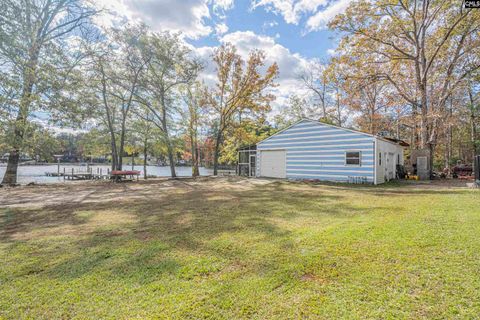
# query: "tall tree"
[192,95]
[425,50]
[316,80]
[30,31]
[117,68]
[473,107]
[168,66]
[337,90]
[364,93]
[240,87]
[248,131]
[144,129]
[294,110]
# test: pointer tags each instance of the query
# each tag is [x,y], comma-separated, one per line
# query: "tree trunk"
[424,125]
[193,141]
[195,169]
[473,127]
[10,177]
[423,128]
[372,117]
[426,136]
[120,157]
[171,159]
[415,127]
[193,145]
[216,154]
[431,149]
[339,114]
[448,147]
[113,141]
[114,158]
[322,100]
[167,137]
[397,135]
[145,150]
[473,135]
[122,146]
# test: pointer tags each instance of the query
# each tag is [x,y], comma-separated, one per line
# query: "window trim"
[359,158]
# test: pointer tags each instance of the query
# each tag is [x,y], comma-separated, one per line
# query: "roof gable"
[298,125]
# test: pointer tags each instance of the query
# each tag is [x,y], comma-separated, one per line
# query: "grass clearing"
[235,248]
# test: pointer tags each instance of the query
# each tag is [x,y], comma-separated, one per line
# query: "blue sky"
[292,33]
[263,21]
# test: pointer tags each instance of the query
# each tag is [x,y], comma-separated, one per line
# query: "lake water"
[27,174]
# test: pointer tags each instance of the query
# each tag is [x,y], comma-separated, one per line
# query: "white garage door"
[272,164]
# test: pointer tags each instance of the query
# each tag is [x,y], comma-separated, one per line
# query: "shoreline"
[38,173]
[84,164]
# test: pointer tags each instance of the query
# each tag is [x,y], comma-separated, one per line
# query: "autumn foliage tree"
[168,68]
[240,88]
[364,92]
[424,49]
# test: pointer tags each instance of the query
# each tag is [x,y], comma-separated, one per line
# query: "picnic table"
[124,175]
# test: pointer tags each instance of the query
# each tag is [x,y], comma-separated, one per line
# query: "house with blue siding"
[311,149]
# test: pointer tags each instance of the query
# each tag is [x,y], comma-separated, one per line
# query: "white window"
[352,158]
[379,158]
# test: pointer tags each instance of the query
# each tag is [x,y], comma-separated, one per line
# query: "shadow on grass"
[161,227]
[392,188]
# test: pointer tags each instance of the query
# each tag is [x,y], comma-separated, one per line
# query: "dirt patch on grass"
[101,191]
[310,277]
[79,223]
[41,211]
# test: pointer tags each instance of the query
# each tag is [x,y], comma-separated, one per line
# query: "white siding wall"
[389,152]
[317,151]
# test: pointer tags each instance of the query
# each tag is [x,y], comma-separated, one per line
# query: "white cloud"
[224,5]
[291,10]
[186,16]
[268,25]
[321,19]
[221,28]
[291,65]
[317,12]
[331,52]
[208,74]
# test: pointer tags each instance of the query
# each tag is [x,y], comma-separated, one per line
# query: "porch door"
[253,161]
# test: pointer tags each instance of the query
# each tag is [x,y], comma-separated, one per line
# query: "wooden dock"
[89,174]
[80,174]
[85,176]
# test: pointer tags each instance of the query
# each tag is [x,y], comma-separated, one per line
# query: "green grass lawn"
[241,249]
